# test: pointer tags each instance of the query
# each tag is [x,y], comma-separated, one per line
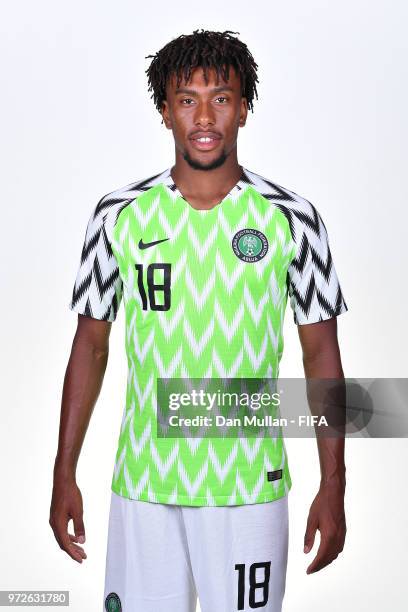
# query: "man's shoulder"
[302,215]
[277,193]
[129,192]
[107,209]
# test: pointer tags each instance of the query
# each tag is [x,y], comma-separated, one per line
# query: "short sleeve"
[313,285]
[98,287]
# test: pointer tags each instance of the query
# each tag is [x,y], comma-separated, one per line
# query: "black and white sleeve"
[98,287]
[313,285]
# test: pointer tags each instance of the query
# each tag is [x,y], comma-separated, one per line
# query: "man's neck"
[205,188]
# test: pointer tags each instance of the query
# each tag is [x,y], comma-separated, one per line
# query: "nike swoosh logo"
[145,245]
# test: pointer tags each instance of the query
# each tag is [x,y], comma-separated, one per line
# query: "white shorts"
[160,557]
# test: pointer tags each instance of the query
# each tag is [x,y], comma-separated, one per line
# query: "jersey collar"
[242,183]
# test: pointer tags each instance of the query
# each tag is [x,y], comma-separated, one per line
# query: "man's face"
[205,118]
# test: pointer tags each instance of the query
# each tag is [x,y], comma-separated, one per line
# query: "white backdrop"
[77,123]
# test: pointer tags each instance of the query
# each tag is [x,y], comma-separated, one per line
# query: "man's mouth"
[205,142]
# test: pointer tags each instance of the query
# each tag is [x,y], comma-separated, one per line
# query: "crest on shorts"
[112,603]
[250,245]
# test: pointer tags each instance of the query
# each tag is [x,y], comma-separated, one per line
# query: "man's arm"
[321,359]
[82,384]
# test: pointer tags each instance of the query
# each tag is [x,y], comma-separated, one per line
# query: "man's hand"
[326,514]
[82,384]
[66,504]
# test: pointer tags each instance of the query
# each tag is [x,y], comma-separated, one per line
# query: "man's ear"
[243,112]
[165,114]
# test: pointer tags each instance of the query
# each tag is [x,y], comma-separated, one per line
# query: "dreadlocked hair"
[207,49]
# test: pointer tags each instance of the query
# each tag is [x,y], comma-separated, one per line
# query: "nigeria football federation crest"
[112,603]
[250,245]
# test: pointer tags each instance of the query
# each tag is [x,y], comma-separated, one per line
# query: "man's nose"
[204,114]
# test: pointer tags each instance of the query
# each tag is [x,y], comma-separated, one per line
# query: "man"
[204,255]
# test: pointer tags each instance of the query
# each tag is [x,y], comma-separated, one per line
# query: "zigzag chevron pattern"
[98,287]
[224,318]
[314,289]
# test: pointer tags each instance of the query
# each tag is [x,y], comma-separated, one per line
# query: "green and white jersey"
[204,293]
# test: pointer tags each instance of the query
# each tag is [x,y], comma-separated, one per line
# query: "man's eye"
[187,100]
[221,98]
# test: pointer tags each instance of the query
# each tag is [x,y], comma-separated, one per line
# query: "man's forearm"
[328,397]
[82,385]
